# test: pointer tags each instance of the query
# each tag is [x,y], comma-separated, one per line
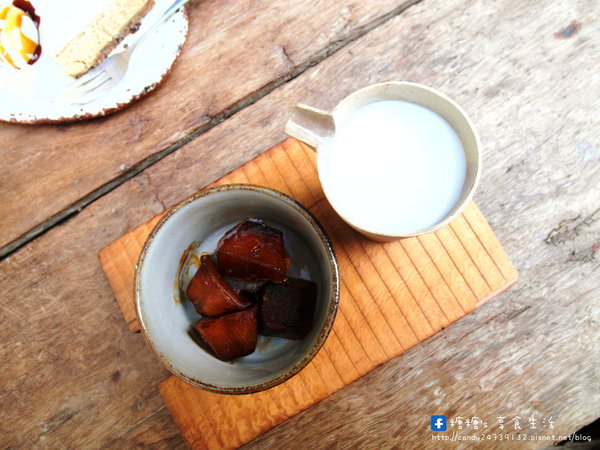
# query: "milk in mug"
[393,166]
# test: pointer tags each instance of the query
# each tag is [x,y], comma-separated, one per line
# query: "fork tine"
[84,80]
[88,78]
[88,91]
[97,83]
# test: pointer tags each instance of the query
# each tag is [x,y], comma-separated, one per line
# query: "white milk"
[393,167]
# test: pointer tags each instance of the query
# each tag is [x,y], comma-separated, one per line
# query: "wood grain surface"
[235,52]
[392,297]
[73,374]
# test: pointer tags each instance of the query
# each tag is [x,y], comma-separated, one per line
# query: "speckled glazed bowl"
[194,226]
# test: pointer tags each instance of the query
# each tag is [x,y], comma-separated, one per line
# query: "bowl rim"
[333,299]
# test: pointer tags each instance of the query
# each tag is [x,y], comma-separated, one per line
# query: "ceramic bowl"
[195,226]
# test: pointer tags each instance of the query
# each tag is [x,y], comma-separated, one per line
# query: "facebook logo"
[438,423]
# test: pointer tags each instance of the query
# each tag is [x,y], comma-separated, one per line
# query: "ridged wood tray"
[393,296]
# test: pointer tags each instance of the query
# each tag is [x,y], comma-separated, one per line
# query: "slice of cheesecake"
[92,45]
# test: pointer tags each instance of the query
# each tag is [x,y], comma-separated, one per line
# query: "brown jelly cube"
[231,335]
[286,310]
[210,293]
[253,251]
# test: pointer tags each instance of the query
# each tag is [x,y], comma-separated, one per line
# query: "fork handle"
[147,28]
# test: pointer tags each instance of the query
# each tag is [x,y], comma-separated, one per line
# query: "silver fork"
[105,76]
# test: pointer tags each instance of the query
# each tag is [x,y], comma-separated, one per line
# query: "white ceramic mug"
[395,159]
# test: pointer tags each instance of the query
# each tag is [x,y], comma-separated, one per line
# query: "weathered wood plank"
[156,432]
[534,352]
[233,51]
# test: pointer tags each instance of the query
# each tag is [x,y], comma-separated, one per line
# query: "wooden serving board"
[393,296]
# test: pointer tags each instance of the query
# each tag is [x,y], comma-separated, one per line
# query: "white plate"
[38,93]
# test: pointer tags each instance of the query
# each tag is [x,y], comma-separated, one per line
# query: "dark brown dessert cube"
[286,310]
[249,296]
[231,335]
[244,286]
[210,293]
[253,251]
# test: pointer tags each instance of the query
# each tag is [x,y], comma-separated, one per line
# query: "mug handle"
[310,125]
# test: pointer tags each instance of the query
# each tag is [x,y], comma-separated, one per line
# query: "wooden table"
[526,72]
